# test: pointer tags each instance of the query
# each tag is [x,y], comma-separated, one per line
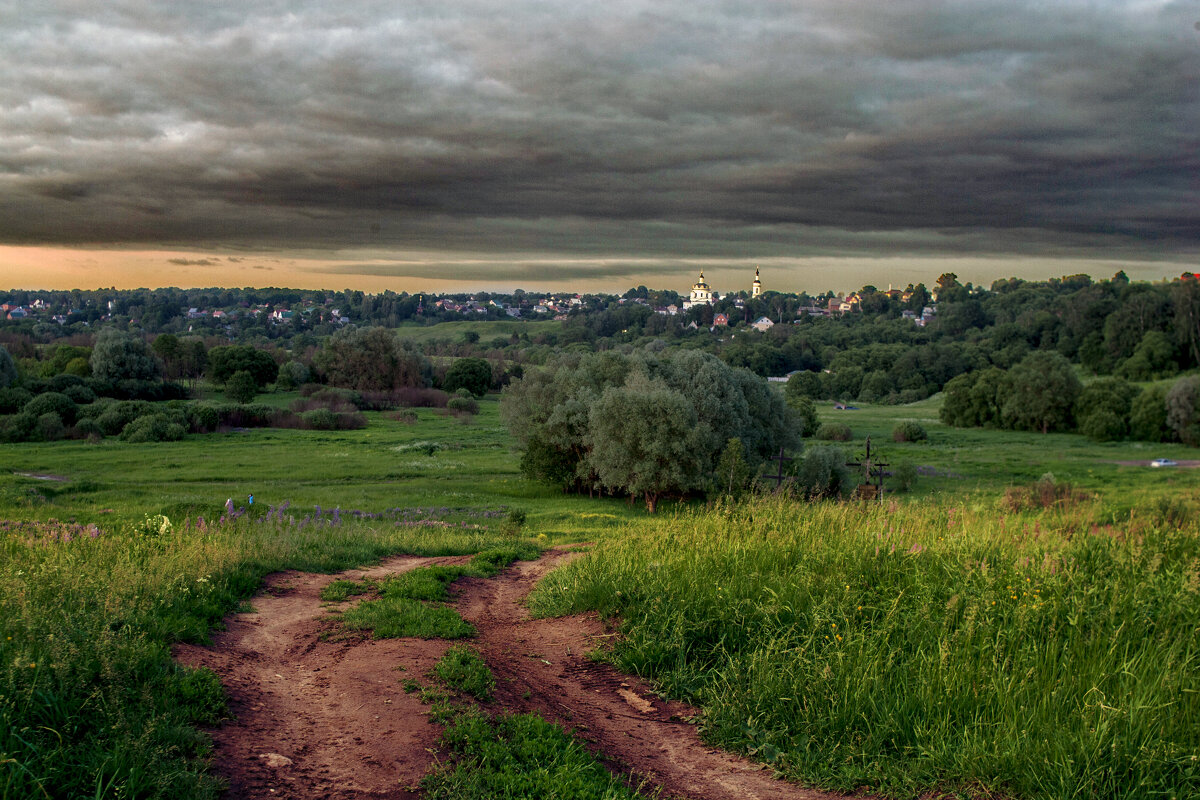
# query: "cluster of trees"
[1042,393]
[642,424]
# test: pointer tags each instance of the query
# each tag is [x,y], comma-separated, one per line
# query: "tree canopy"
[643,424]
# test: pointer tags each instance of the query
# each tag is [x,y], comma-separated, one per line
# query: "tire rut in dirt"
[541,666]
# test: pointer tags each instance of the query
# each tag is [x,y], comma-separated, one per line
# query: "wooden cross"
[779,476]
[873,468]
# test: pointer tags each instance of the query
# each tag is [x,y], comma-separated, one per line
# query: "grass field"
[950,646]
[94,587]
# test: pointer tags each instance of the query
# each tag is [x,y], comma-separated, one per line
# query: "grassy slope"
[90,620]
[939,645]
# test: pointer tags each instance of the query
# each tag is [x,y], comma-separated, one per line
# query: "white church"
[702,293]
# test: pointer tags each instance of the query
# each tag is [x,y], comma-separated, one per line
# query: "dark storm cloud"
[630,129]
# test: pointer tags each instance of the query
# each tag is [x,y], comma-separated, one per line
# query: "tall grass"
[91,703]
[949,645]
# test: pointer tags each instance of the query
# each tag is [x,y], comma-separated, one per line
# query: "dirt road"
[326,718]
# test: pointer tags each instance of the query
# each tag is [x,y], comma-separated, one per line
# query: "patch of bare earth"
[313,718]
[327,718]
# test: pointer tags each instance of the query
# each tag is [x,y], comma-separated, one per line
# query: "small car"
[1164,462]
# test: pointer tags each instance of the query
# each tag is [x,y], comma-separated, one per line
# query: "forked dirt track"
[329,720]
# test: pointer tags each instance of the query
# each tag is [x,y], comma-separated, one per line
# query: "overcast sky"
[545,142]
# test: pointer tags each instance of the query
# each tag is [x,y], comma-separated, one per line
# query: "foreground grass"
[91,703]
[953,646]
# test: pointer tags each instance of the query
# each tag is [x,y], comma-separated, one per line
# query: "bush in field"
[644,424]
[904,476]
[1046,492]
[202,418]
[88,428]
[472,374]
[823,474]
[1183,410]
[117,356]
[1148,416]
[463,402]
[153,428]
[53,403]
[113,416]
[8,369]
[241,387]
[14,399]
[18,428]
[50,427]
[833,432]
[320,419]
[909,431]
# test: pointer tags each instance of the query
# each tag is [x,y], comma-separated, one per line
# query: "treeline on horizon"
[1133,331]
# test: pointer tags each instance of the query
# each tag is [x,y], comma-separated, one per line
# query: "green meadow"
[845,645]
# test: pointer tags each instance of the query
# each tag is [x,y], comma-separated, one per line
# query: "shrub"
[416,397]
[823,474]
[472,374]
[50,427]
[405,415]
[291,375]
[13,399]
[53,403]
[153,428]
[60,383]
[241,387]
[1103,426]
[336,400]
[833,432]
[1046,492]
[320,419]
[88,428]
[114,417]
[904,476]
[18,428]
[463,405]
[81,395]
[909,431]
[203,418]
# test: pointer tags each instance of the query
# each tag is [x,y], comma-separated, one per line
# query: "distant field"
[382,466]
[990,460]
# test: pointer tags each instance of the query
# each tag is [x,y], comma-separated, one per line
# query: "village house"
[762,324]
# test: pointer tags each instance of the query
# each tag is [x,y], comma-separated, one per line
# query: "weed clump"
[464,670]
[1045,492]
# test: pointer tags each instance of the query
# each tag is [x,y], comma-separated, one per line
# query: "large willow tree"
[644,425]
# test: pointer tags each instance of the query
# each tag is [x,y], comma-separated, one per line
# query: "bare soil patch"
[314,718]
[326,717]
